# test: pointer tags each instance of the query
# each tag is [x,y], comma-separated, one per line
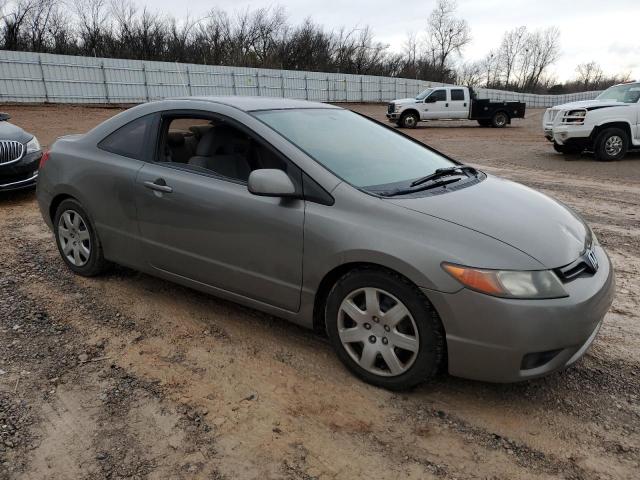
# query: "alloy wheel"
[613,145]
[378,331]
[74,238]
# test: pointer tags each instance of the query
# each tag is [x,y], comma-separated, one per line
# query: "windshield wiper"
[405,191]
[444,172]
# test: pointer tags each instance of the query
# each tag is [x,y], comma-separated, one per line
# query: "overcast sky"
[604,31]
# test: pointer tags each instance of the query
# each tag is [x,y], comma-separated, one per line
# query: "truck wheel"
[566,149]
[611,144]
[409,120]
[500,120]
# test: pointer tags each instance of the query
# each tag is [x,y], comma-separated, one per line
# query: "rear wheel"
[500,120]
[409,120]
[77,240]
[611,144]
[384,329]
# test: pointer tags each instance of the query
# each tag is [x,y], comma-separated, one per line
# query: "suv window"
[130,139]
[438,96]
[457,95]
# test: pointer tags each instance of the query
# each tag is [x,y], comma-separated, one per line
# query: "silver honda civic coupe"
[408,260]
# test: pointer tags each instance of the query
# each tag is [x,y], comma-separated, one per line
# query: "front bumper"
[21,174]
[488,338]
[393,117]
[567,134]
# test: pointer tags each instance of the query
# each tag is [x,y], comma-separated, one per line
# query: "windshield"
[424,94]
[629,93]
[359,151]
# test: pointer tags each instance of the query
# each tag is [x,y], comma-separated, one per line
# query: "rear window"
[457,95]
[129,140]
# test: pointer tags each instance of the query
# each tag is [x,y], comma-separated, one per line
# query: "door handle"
[446,105]
[159,185]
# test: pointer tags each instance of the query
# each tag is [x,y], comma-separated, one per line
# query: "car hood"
[9,131]
[590,104]
[514,214]
[404,101]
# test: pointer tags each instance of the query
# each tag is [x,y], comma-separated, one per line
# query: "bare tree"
[510,51]
[446,34]
[94,26]
[470,74]
[589,73]
[14,23]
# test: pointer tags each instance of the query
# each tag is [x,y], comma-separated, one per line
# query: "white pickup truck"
[609,125]
[451,103]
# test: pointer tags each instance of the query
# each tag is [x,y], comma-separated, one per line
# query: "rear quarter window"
[457,95]
[130,139]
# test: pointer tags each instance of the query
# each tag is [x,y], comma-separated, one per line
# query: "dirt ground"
[128,376]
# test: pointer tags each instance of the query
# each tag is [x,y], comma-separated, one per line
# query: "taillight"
[43,159]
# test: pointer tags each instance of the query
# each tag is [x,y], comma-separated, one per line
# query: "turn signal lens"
[479,280]
[535,284]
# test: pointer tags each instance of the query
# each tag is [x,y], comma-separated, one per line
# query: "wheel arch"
[331,277]
[410,110]
[56,201]
[502,110]
[621,124]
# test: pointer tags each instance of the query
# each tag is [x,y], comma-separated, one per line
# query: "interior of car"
[216,147]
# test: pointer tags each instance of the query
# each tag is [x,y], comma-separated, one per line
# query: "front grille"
[585,264]
[551,115]
[10,151]
[391,108]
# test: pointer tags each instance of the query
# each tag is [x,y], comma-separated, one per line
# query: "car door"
[205,228]
[459,103]
[436,105]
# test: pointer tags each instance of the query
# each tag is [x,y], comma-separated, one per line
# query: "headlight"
[33,145]
[577,113]
[535,284]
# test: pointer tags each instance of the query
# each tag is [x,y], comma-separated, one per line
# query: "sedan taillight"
[43,159]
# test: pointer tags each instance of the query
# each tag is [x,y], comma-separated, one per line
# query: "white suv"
[609,125]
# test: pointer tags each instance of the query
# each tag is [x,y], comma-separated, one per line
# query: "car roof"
[251,104]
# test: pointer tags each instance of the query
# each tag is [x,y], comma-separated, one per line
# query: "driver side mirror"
[271,182]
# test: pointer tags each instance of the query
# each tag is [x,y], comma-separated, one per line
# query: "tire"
[611,144]
[409,120]
[499,120]
[567,149]
[418,329]
[77,240]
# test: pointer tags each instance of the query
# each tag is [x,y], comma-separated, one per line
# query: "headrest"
[206,143]
[200,130]
[175,139]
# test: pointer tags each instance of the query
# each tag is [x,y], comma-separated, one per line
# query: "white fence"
[34,77]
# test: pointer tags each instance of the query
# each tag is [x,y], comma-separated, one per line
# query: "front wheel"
[384,329]
[611,144]
[409,120]
[500,120]
[77,240]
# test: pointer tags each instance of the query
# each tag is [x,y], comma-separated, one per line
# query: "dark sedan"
[20,154]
